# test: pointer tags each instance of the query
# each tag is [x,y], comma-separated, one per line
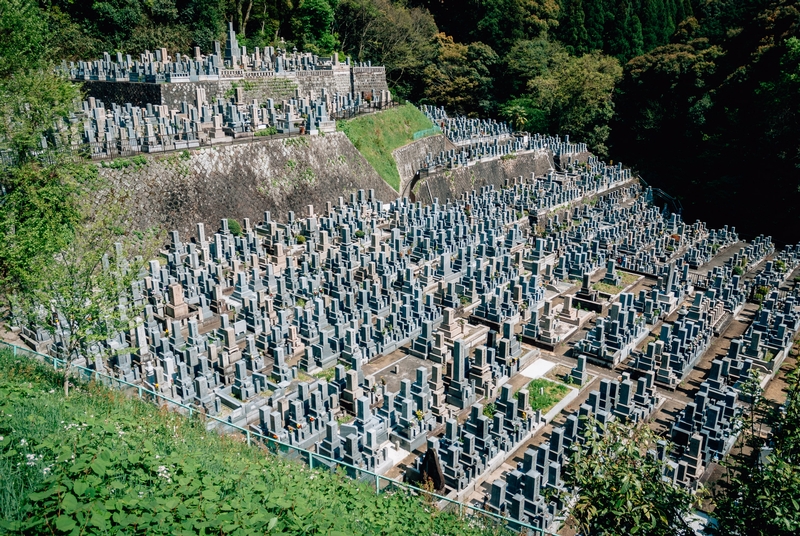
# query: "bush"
[100,463]
[234,227]
[301,239]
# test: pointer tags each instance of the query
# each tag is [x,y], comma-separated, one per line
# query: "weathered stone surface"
[362,79]
[450,184]
[410,157]
[242,181]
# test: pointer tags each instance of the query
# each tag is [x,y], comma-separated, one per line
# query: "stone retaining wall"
[177,191]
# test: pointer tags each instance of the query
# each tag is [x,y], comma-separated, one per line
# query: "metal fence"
[427,132]
[382,484]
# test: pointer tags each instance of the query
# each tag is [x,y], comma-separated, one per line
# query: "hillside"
[377,135]
[100,463]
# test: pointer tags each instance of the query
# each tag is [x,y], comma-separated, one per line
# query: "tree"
[84,293]
[572,29]
[523,114]
[595,20]
[401,39]
[313,23]
[762,496]
[460,79]
[576,93]
[530,59]
[619,484]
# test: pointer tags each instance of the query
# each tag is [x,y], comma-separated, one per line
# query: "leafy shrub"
[234,227]
[100,463]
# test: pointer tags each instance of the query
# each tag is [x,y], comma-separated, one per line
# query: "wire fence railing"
[381,484]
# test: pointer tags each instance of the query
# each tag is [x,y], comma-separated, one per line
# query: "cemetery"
[201,112]
[403,338]
[398,338]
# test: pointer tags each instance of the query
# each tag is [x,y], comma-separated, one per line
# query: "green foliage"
[391,34]
[38,217]
[691,93]
[24,36]
[234,227]
[312,25]
[460,78]
[489,410]
[764,487]
[301,239]
[269,131]
[576,94]
[620,489]
[523,114]
[377,135]
[99,463]
[545,394]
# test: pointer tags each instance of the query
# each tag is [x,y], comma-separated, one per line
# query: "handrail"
[56,362]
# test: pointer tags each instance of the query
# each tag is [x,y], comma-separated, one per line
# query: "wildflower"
[23,442]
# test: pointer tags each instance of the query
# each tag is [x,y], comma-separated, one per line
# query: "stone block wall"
[242,181]
[409,157]
[122,92]
[451,183]
[366,79]
[279,87]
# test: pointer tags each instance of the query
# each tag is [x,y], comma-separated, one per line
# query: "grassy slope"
[98,462]
[377,135]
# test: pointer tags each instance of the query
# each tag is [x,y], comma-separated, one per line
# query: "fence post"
[15,350]
[248,437]
[377,483]
[140,392]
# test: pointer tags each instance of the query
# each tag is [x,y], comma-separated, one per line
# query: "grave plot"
[520,486]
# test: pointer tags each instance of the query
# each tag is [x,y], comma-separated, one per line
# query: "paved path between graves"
[720,258]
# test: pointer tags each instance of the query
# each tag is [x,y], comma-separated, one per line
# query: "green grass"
[377,135]
[553,392]
[605,288]
[100,463]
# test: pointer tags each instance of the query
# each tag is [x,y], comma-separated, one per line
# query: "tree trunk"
[66,383]
[246,18]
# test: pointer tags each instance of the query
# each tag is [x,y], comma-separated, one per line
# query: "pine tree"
[651,24]
[617,31]
[573,30]
[594,21]
[636,42]
[670,22]
[683,10]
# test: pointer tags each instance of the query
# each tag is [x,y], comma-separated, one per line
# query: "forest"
[700,97]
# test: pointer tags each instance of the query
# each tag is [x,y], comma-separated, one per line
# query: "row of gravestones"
[159,66]
[213,370]
[127,129]
[337,299]
[703,431]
